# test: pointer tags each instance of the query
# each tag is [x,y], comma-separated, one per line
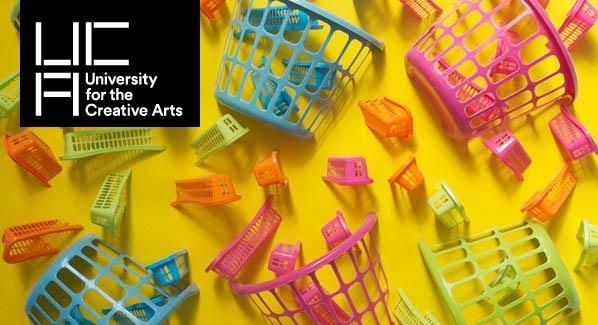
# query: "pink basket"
[347,171]
[572,135]
[508,149]
[234,257]
[579,20]
[421,8]
[484,63]
[339,287]
[283,258]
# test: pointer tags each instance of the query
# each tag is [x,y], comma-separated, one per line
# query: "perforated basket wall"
[469,275]
[268,38]
[486,62]
[347,286]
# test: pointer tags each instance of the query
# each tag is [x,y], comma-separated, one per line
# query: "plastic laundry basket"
[484,63]
[347,171]
[94,283]
[283,54]
[474,273]
[342,286]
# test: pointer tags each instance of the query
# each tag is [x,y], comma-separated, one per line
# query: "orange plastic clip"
[209,190]
[33,155]
[387,117]
[25,242]
[545,204]
[408,176]
[268,172]
[209,7]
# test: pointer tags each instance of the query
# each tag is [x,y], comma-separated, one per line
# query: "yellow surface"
[152,229]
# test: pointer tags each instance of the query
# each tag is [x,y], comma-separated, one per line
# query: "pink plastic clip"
[572,135]
[347,171]
[579,20]
[284,258]
[508,149]
[421,8]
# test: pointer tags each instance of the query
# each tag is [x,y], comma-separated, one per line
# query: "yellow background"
[153,229]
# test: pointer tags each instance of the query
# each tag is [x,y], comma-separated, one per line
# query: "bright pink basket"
[234,257]
[507,148]
[484,63]
[347,171]
[339,287]
[579,20]
[572,135]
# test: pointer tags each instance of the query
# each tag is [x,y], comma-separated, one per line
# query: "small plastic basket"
[238,252]
[32,154]
[579,20]
[466,272]
[588,235]
[408,175]
[406,313]
[339,287]
[111,202]
[291,35]
[447,207]
[421,8]
[283,259]
[572,135]
[207,190]
[10,93]
[82,144]
[269,173]
[546,203]
[387,118]
[454,61]
[505,146]
[26,242]
[209,7]
[347,171]
[217,137]
[94,283]
[170,269]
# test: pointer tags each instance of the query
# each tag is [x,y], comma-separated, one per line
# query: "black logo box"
[162,39]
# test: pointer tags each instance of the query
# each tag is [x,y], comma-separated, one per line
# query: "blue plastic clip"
[316,78]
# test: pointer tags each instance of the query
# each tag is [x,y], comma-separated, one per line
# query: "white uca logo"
[74,76]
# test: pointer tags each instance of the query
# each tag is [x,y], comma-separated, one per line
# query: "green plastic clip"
[406,313]
[10,93]
[111,202]
[447,207]
[82,144]
[217,137]
[588,234]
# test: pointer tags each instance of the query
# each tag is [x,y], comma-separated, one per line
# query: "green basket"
[10,93]
[447,207]
[217,137]
[406,313]
[588,234]
[111,202]
[81,144]
[16,16]
[509,275]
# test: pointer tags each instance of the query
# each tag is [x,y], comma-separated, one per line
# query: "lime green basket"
[588,235]
[16,16]
[111,202]
[406,313]
[10,93]
[82,144]
[217,137]
[447,207]
[509,275]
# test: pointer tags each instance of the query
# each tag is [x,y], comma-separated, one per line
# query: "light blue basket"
[94,283]
[261,59]
[171,269]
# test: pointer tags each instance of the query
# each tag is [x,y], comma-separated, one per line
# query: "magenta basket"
[572,135]
[507,148]
[283,258]
[347,171]
[579,20]
[483,63]
[339,287]
[234,257]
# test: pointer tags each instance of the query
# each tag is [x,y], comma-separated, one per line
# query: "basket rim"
[245,289]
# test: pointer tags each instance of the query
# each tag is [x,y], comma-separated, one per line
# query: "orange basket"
[33,155]
[408,176]
[387,117]
[209,190]
[209,7]
[545,204]
[25,242]
[268,172]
